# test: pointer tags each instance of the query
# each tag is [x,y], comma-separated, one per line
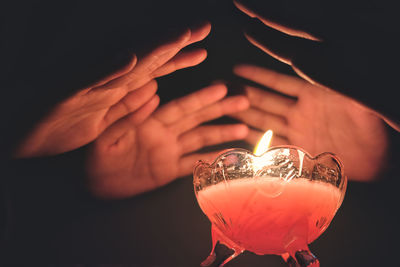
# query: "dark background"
[51,48]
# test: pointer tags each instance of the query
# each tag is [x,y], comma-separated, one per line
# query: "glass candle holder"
[276,203]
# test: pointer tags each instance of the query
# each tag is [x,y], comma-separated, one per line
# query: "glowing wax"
[245,213]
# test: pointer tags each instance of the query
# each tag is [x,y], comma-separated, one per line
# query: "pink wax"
[268,215]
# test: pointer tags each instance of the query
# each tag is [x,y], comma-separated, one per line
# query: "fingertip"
[124,68]
[253,39]
[256,43]
[220,89]
[203,28]
[241,130]
[206,28]
[305,76]
[134,60]
[198,55]
[242,102]
[250,38]
[130,65]
[179,36]
[152,104]
[155,100]
[186,35]
[200,31]
[144,111]
[153,85]
[202,54]
[241,68]
[242,8]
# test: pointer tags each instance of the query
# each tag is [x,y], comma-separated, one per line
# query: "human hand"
[346,46]
[316,119]
[142,152]
[82,117]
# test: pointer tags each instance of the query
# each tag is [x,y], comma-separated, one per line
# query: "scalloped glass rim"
[227,151]
[342,185]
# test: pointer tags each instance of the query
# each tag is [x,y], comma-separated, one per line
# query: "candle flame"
[263,144]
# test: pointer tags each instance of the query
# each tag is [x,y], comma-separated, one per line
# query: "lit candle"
[263,145]
[275,201]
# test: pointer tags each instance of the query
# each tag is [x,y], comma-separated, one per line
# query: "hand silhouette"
[82,117]
[348,46]
[141,152]
[316,119]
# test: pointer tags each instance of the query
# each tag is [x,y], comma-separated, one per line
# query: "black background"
[48,50]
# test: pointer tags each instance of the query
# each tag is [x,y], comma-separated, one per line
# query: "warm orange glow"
[263,144]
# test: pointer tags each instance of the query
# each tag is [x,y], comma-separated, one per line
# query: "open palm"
[316,119]
[142,151]
[82,117]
